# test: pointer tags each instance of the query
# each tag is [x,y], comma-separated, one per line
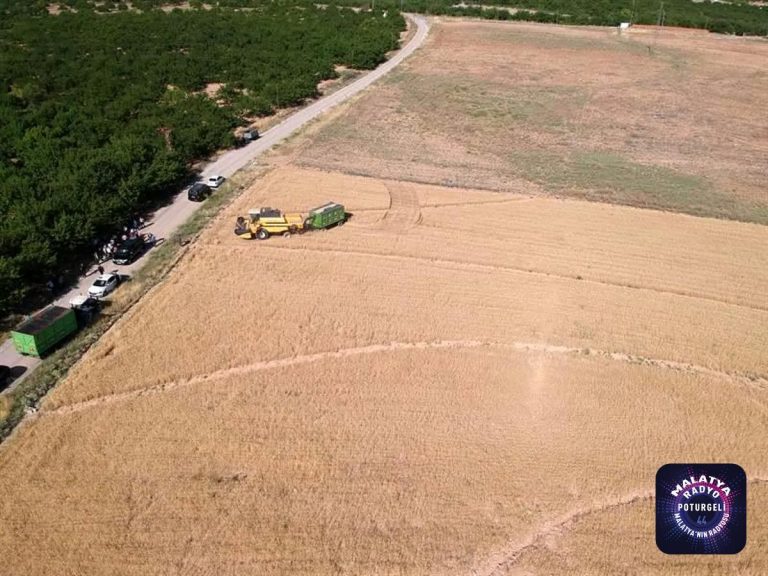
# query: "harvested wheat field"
[456,382]
[672,120]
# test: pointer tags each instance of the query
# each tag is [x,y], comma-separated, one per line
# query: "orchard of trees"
[102,115]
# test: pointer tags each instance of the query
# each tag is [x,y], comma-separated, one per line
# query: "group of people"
[108,249]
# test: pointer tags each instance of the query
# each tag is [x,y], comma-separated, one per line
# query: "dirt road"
[166,220]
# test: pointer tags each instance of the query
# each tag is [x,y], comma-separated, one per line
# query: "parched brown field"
[673,120]
[456,382]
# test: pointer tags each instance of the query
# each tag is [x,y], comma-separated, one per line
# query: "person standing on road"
[100,269]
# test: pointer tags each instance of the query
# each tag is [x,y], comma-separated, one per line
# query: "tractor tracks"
[759,382]
[264,365]
[500,563]
[404,211]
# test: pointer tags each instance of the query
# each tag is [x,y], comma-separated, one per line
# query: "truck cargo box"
[44,330]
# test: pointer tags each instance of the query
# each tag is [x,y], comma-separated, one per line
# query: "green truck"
[325,216]
[44,330]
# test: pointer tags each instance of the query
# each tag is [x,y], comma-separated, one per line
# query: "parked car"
[129,251]
[103,285]
[215,181]
[199,192]
[248,136]
[86,309]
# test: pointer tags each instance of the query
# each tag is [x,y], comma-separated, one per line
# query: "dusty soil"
[455,382]
[671,120]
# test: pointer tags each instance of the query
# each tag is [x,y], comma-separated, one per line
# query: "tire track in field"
[435,205]
[499,563]
[404,211]
[519,269]
[756,381]
[516,199]
[266,365]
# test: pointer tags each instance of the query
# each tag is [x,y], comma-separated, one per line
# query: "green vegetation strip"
[727,17]
[160,262]
[737,17]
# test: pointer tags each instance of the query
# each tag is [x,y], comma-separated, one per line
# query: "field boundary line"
[756,381]
[519,269]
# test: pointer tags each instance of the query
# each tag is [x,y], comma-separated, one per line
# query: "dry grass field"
[673,120]
[456,382]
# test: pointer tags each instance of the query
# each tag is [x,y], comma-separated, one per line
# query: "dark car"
[129,251]
[86,309]
[247,137]
[198,192]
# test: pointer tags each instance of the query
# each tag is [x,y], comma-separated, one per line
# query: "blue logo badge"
[701,509]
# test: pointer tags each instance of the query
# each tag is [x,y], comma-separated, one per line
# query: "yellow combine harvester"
[265,222]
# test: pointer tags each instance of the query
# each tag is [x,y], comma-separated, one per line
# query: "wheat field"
[455,382]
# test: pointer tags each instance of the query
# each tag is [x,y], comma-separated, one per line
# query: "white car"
[215,181]
[104,284]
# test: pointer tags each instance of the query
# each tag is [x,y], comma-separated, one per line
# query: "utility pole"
[632,18]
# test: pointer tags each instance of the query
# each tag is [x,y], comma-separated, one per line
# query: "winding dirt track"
[760,382]
[234,160]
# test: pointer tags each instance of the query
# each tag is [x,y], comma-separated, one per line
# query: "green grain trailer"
[44,330]
[325,216]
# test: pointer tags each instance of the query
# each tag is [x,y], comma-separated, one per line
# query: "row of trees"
[731,17]
[101,116]
[737,17]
